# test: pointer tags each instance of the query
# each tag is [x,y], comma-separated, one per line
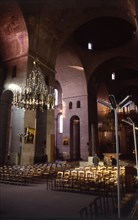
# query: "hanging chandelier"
[36,94]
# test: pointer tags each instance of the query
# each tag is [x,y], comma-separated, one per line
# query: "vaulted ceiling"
[104,33]
[44,26]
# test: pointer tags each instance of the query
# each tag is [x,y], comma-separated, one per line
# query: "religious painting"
[66,141]
[30,135]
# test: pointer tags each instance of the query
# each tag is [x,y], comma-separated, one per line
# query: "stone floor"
[36,202]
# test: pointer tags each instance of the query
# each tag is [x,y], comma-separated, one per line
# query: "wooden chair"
[58,180]
[81,181]
[66,183]
[75,183]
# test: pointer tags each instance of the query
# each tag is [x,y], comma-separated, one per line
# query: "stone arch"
[102,76]
[70,105]
[107,66]
[59,89]
[71,76]
[75,138]
[58,112]
[14,36]
[78,104]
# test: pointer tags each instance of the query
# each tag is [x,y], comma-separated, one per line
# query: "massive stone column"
[93,121]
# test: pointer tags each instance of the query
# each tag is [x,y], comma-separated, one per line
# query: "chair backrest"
[81,174]
[59,175]
[66,174]
[88,175]
[74,174]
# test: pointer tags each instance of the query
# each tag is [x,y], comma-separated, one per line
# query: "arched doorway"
[75,138]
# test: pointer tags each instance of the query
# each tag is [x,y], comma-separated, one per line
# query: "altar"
[107,158]
[109,155]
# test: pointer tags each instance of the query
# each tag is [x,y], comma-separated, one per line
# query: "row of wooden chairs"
[62,176]
[30,173]
[84,180]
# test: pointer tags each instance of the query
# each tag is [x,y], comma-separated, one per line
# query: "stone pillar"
[27,154]
[52,156]
[50,137]
[28,148]
[93,141]
[93,121]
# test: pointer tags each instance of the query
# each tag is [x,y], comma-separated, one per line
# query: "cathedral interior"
[80,48]
[85,51]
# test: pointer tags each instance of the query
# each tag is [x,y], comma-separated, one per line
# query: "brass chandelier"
[36,94]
